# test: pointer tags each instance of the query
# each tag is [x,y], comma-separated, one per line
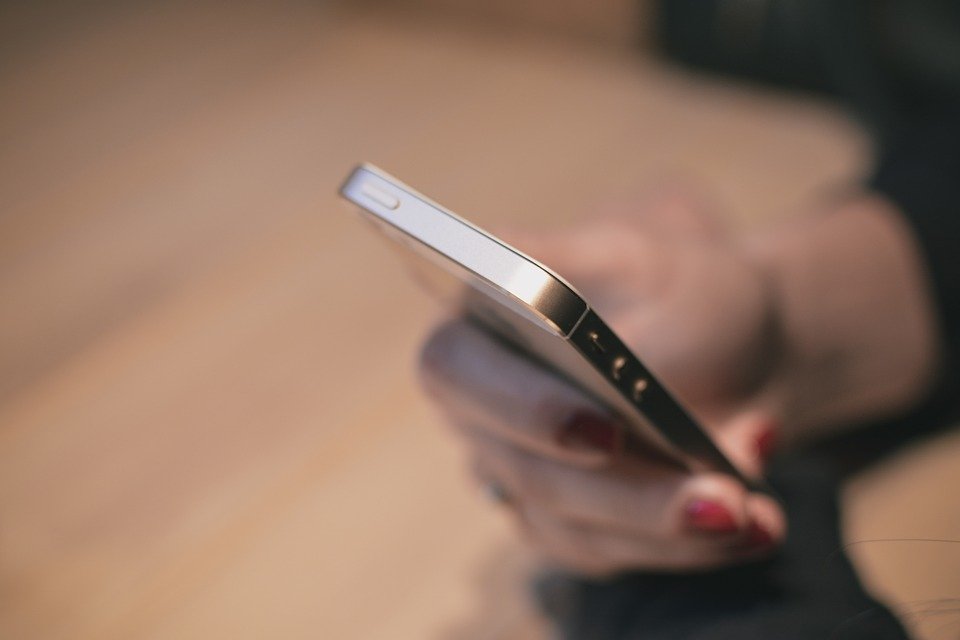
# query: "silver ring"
[496,493]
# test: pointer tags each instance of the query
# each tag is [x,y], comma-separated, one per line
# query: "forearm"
[856,316]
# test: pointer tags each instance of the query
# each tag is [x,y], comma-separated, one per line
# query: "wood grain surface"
[209,422]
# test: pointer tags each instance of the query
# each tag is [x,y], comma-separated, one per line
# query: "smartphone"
[530,307]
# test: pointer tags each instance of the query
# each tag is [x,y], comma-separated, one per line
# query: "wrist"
[853,308]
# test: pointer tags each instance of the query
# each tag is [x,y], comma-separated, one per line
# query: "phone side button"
[639,386]
[594,339]
[380,196]
[616,367]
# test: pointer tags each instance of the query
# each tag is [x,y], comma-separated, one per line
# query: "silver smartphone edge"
[544,292]
[554,302]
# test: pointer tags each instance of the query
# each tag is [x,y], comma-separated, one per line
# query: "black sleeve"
[892,65]
[808,590]
[920,172]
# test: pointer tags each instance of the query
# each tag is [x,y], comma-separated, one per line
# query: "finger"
[602,552]
[671,211]
[562,545]
[651,499]
[478,380]
[767,527]
[594,251]
[748,438]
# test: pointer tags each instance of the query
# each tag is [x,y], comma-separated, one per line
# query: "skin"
[793,331]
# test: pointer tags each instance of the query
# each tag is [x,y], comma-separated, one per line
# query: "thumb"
[672,211]
[749,439]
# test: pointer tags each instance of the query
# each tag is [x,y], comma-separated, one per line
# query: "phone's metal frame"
[590,354]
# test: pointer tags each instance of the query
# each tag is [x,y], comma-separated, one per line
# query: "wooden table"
[208,422]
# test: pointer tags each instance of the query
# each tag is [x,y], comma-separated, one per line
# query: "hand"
[687,302]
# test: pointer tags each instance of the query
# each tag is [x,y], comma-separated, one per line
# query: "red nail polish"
[767,443]
[586,431]
[757,536]
[710,516]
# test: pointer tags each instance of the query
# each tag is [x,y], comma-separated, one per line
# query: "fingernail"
[710,516]
[757,536]
[589,432]
[767,442]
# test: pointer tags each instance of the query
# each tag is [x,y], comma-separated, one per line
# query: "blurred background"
[209,425]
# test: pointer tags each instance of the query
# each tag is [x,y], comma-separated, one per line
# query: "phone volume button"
[639,386]
[616,367]
[594,339]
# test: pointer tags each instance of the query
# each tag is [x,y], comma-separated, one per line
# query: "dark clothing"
[920,172]
[809,590]
[896,65]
